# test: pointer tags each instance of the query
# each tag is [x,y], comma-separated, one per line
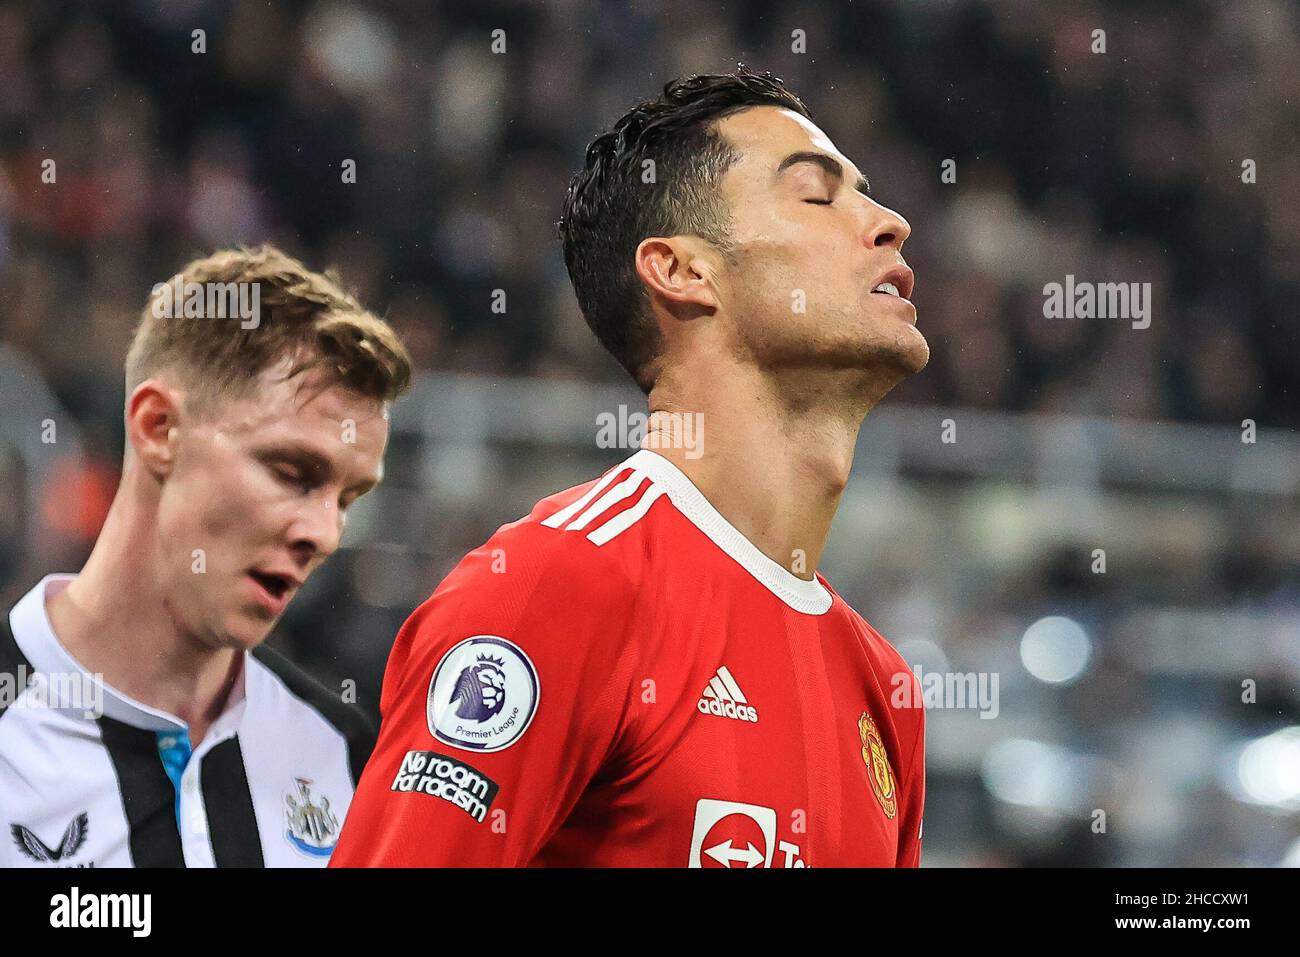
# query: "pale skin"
[782,393]
[259,483]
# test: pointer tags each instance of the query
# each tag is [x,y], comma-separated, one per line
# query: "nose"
[885,227]
[317,529]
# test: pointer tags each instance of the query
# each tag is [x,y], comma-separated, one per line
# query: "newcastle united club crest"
[310,826]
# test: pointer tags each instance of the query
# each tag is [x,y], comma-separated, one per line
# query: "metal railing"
[897,438]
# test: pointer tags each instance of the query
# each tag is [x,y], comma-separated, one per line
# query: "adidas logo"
[723,697]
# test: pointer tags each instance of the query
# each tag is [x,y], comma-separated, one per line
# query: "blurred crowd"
[1117,166]
[1173,157]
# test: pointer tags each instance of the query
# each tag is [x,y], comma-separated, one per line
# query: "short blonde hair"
[303,315]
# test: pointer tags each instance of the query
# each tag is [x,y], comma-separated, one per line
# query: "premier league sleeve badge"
[483,694]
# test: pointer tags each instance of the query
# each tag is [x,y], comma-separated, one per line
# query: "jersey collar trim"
[35,636]
[808,597]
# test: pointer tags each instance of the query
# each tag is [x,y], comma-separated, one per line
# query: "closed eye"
[295,479]
[819,202]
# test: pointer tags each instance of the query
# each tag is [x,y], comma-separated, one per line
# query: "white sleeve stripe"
[624,520]
[611,498]
[566,513]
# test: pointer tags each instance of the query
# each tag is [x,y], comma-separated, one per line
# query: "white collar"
[809,597]
[34,634]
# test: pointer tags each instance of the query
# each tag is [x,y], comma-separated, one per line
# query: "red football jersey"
[623,679]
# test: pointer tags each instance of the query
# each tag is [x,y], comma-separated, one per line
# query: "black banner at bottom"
[342,909]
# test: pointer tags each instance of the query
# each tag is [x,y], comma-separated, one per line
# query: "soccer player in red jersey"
[644,671]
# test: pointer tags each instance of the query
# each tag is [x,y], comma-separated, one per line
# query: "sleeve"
[504,695]
[913,801]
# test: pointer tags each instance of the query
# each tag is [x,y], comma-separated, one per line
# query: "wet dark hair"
[654,173]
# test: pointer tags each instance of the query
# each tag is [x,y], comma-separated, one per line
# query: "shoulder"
[900,690]
[13,664]
[578,547]
[899,684]
[346,719]
[891,669]
[883,651]
[883,655]
[544,581]
[530,575]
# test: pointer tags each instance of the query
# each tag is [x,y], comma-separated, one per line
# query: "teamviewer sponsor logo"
[429,772]
[734,835]
[723,697]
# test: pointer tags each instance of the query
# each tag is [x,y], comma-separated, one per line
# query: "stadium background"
[1071,435]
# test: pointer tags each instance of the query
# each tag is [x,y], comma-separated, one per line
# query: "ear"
[680,271]
[153,411]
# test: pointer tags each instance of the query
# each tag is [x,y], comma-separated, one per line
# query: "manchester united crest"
[879,773]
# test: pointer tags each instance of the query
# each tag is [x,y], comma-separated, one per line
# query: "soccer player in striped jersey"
[646,670]
[146,729]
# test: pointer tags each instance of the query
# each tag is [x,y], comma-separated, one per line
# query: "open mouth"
[276,586]
[896,282]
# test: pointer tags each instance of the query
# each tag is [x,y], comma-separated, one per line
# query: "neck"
[774,466]
[116,620]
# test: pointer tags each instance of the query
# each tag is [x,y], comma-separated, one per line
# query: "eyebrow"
[829,165]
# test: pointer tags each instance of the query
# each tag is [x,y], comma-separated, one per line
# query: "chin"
[915,358]
[891,363]
[243,634]
[908,352]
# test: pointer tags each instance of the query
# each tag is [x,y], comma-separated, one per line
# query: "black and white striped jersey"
[91,778]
